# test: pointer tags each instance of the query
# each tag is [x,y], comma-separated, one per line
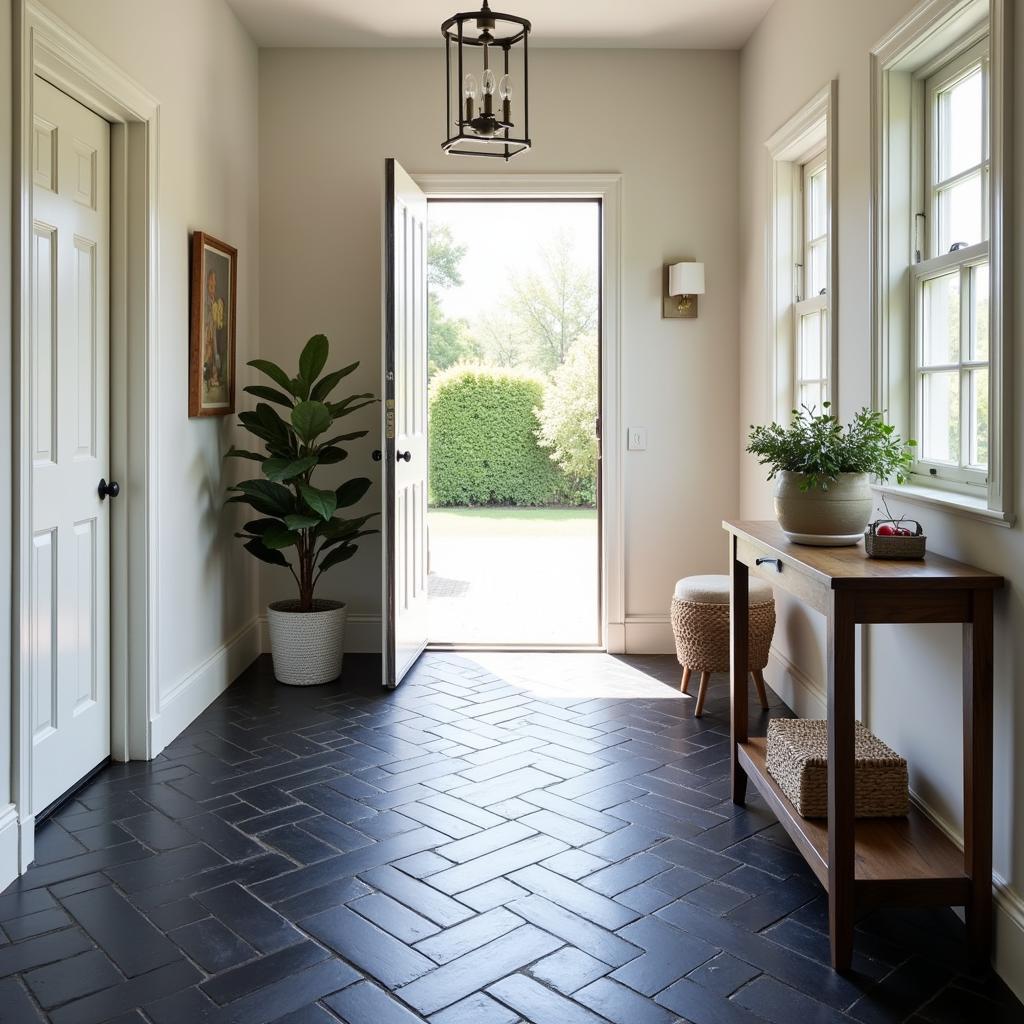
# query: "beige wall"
[328,119]
[911,692]
[198,62]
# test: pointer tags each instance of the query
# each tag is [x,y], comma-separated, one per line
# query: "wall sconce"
[683,282]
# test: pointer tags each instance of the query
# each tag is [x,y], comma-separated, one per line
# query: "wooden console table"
[868,862]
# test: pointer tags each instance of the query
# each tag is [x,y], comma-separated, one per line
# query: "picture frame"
[214,290]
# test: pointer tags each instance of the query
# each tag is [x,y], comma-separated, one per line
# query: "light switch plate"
[636,439]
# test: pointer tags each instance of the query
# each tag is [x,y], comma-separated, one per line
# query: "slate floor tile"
[474,971]
[539,1004]
[573,896]
[253,920]
[606,946]
[723,974]
[668,955]
[462,938]
[622,1005]
[366,1002]
[478,1008]
[396,920]
[17,1004]
[461,850]
[781,1004]
[72,978]
[370,948]
[212,945]
[234,984]
[135,945]
[569,969]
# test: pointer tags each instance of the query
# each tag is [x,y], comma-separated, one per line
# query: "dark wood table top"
[850,566]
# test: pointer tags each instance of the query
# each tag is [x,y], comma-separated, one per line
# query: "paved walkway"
[505,838]
[513,576]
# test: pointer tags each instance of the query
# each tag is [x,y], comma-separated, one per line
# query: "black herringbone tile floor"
[555,845]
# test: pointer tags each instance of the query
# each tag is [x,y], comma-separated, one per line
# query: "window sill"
[948,501]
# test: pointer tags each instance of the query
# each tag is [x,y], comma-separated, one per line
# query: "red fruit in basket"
[886,530]
[904,532]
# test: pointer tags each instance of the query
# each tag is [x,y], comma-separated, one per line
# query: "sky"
[503,239]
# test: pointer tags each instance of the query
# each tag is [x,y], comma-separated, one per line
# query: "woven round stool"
[700,622]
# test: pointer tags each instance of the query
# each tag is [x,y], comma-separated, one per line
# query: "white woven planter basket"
[308,647]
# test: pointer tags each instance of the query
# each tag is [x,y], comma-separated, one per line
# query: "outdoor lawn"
[513,575]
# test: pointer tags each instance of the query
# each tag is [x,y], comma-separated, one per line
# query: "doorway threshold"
[520,648]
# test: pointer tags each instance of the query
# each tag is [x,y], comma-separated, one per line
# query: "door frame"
[46,46]
[607,188]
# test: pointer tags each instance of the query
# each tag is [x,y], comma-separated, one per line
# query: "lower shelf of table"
[897,860]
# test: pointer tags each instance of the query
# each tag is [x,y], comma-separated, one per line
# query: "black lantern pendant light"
[486,44]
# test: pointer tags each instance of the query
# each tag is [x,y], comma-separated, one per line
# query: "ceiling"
[667,24]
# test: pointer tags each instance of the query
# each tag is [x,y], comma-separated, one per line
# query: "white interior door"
[404,362]
[70,561]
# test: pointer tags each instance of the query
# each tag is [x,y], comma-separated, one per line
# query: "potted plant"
[298,518]
[822,471]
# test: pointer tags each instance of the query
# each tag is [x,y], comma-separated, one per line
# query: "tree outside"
[542,321]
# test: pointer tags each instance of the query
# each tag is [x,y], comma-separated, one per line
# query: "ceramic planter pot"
[829,518]
[307,647]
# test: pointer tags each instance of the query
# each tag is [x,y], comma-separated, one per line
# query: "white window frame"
[806,302]
[937,37]
[932,263]
[806,137]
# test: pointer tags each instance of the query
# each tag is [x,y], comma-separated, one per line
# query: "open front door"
[404,363]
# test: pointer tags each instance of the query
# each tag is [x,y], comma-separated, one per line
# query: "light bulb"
[469,87]
[505,88]
[488,82]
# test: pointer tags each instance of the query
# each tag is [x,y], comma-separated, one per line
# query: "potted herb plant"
[822,471]
[302,527]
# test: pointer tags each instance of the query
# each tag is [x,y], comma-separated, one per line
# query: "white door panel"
[405,424]
[70,444]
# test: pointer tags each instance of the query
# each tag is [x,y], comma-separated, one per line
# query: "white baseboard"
[362,634]
[1009,940]
[648,634]
[203,686]
[797,689]
[10,846]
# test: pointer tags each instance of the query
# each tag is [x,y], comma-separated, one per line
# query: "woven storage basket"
[702,635]
[797,761]
[895,547]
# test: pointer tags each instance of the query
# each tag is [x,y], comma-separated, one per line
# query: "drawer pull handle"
[777,562]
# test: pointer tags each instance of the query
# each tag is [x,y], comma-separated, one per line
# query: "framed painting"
[211,362]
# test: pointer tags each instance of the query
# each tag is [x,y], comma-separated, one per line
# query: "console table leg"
[841,788]
[978,775]
[739,659]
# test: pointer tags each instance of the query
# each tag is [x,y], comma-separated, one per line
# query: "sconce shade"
[686,279]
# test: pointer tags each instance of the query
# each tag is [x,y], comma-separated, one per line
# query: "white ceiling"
[668,24]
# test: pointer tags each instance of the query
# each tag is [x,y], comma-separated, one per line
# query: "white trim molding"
[47,47]
[913,46]
[810,129]
[608,189]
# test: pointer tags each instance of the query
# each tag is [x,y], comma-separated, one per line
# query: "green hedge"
[483,440]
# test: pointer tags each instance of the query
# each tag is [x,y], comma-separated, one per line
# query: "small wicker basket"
[797,760]
[895,547]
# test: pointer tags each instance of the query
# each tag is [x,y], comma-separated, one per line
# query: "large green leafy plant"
[820,447]
[297,516]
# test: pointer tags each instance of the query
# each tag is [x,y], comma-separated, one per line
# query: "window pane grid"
[811,363]
[951,394]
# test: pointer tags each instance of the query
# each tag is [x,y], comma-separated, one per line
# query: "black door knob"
[113,489]
[376,455]
[403,456]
